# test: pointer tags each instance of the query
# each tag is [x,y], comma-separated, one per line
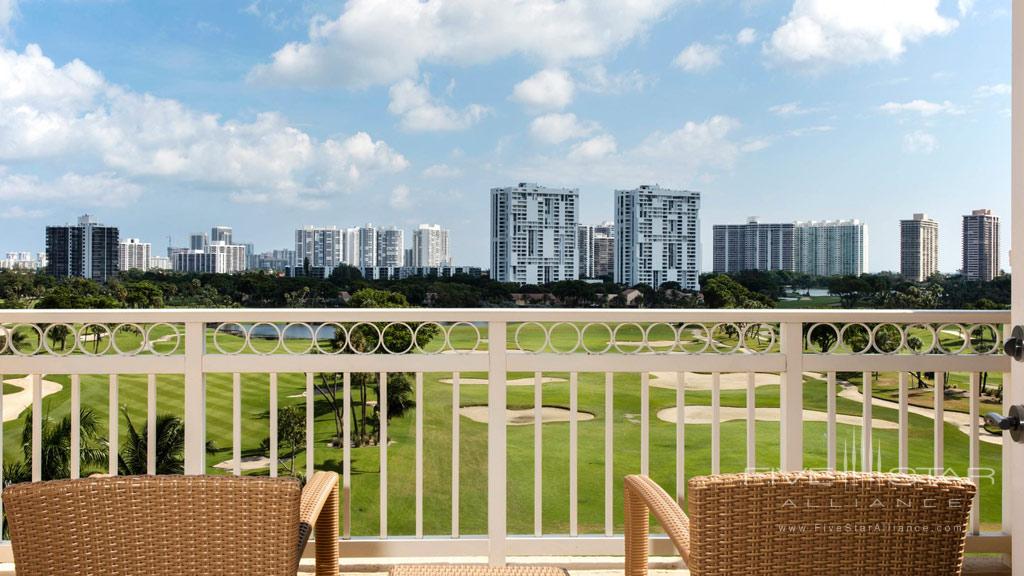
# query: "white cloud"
[549,89]
[102,189]
[50,113]
[595,148]
[990,90]
[792,109]
[699,57]
[819,33]
[8,8]
[557,128]
[400,198]
[383,41]
[441,171]
[920,142]
[420,112]
[596,78]
[965,7]
[19,213]
[746,36]
[922,107]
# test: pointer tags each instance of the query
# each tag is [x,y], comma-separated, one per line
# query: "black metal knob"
[1014,346]
[1011,423]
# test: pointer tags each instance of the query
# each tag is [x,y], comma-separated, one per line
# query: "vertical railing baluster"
[236,423]
[538,455]
[419,454]
[609,454]
[76,426]
[680,437]
[273,424]
[791,398]
[151,424]
[37,428]
[573,455]
[112,440]
[346,456]
[865,440]
[904,425]
[940,419]
[716,423]
[456,441]
[751,422]
[974,453]
[382,442]
[645,423]
[497,449]
[830,393]
[310,426]
[195,398]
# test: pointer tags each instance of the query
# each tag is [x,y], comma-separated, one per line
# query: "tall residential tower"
[657,237]
[534,234]
[831,247]
[919,248]
[89,250]
[981,245]
[753,246]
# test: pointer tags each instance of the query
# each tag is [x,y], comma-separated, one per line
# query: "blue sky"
[167,117]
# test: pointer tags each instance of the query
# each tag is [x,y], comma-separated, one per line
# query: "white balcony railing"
[663,360]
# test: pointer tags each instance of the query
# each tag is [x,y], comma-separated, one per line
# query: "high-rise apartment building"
[199,262]
[367,246]
[430,247]
[221,234]
[981,245]
[134,254]
[657,237]
[88,249]
[919,248]
[533,234]
[198,241]
[752,246]
[319,245]
[235,259]
[160,263]
[831,247]
[604,250]
[390,247]
[350,247]
[585,250]
[275,260]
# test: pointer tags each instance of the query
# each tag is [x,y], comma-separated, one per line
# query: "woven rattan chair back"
[155,526]
[828,523]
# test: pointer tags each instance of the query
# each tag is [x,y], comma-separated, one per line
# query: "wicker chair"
[805,523]
[172,525]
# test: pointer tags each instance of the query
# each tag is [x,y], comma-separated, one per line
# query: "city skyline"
[897,113]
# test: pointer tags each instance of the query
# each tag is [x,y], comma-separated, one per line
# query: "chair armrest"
[643,496]
[319,509]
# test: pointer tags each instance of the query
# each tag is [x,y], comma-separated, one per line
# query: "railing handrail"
[502,315]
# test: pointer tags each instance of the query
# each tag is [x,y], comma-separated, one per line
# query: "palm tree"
[169,446]
[56,444]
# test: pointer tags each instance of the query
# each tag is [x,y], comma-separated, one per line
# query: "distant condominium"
[221,234]
[160,263]
[919,248]
[199,262]
[198,241]
[134,254]
[831,247]
[534,234]
[318,247]
[430,247]
[657,237]
[350,246]
[585,250]
[390,247]
[604,250]
[23,261]
[235,259]
[753,246]
[981,245]
[367,252]
[88,249]
[275,260]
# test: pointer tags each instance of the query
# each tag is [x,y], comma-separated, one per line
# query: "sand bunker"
[525,417]
[248,463]
[703,415]
[16,402]
[511,381]
[728,381]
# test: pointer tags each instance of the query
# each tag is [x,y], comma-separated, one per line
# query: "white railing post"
[496,443]
[195,398]
[791,399]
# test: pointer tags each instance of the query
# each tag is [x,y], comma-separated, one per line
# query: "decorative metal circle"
[223,327]
[338,329]
[907,336]
[964,337]
[132,328]
[451,346]
[5,336]
[373,328]
[519,329]
[440,331]
[810,338]
[607,343]
[384,343]
[66,350]
[284,338]
[576,344]
[639,345]
[151,344]
[689,327]
[250,335]
[760,326]
[995,346]
[661,348]
[899,345]
[93,330]
[715,344]
[39,340]
[867,337]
